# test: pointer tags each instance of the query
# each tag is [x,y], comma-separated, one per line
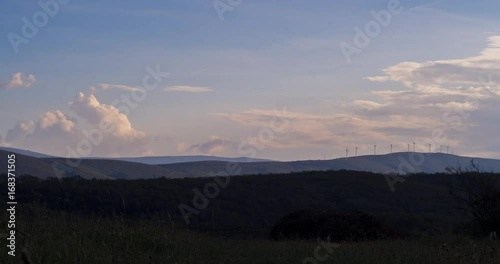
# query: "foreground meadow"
[57,237]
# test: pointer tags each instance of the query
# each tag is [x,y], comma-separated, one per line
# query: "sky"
[282,80]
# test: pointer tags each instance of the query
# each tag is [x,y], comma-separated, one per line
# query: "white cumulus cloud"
[55,132]
[18,80]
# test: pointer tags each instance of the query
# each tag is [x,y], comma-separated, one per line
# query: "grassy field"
[58,237]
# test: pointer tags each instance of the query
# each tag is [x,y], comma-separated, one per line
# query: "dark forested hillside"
[421,203]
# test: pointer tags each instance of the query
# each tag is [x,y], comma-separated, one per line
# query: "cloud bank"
[460,97]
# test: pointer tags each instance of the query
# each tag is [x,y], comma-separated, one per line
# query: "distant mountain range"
[45,166]
[145,160]
[180,159]
[26,152]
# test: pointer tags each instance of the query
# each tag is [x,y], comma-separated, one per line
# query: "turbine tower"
[408,147]
[391,148]
[356,151]
[347,153]
[413,146]
[430,145]
[374,149]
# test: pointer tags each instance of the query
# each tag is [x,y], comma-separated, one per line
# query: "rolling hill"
[26,152]
[45,168]
[154,160]
[402,163]
[391,163]
[159,160]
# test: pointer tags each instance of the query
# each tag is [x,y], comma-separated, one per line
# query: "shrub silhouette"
[329,224]
[478,194]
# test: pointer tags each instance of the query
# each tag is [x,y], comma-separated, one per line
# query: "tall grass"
[58,237]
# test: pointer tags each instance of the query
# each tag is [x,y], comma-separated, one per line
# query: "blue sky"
[229,78]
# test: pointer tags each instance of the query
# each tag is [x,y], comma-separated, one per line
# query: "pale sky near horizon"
[268,80]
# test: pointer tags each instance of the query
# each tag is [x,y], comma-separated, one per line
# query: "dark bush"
[338,226]
[478,194]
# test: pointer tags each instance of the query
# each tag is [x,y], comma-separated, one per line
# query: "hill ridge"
[106,168]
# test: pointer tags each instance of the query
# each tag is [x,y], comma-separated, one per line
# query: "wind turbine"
[374,149]
[347,153]
[413,146]
[408,147]
[430,145]
[391,148]
[356,151]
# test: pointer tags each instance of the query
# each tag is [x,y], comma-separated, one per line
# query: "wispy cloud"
[215,145]
[440,72]
[188,89]
[18,80]
[108,86]
[443,94]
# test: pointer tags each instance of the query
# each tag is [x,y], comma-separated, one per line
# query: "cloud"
[213,146]
[300,129]
[89,108]
[18,80]
[58,132]
[53,130]
[367,105]
[469,71]
[336,131]
[437,87]
[56,119]
[19,131]
[459,96]
[107,86]
[188,89]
